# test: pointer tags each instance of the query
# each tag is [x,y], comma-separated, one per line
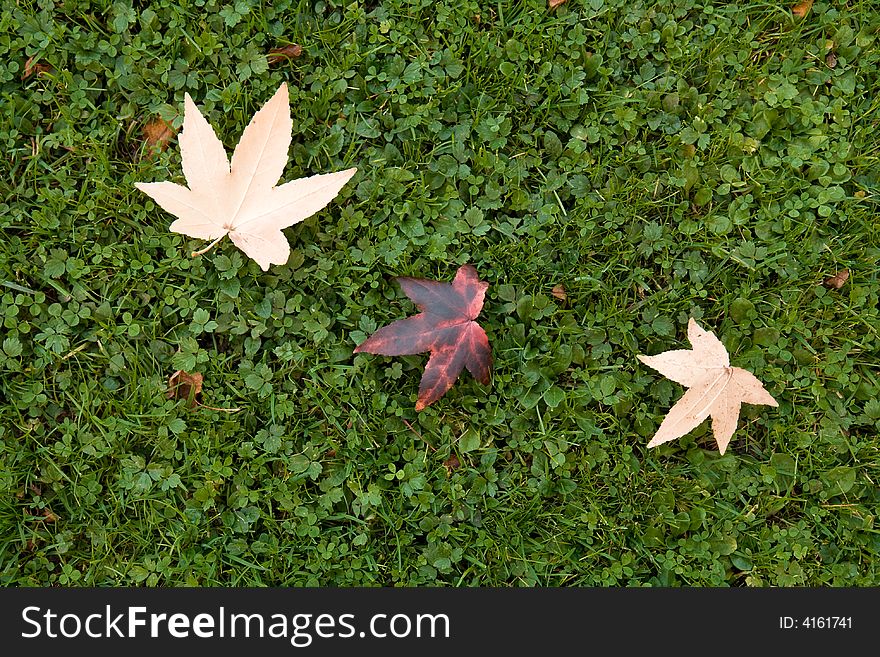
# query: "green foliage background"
[659,160]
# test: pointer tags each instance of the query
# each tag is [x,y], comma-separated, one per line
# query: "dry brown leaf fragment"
[185,385]
[157,133]
[49,516]
[34,67]
[714,388]
[831,59]
[559,292]
[838,280]
[239,197]
[553,4]
[284,53]
[452,463]
[801,9]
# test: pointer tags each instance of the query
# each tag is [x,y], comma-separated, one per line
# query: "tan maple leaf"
[714,388]
[240,198]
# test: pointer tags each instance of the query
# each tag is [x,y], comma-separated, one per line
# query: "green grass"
[659,160]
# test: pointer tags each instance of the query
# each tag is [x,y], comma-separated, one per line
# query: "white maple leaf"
[240,199]
[714,388]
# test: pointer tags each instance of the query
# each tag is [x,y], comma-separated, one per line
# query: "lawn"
[611,168]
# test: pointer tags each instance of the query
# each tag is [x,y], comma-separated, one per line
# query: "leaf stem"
[209,247]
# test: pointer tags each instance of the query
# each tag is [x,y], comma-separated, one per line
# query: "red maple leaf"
[446,327]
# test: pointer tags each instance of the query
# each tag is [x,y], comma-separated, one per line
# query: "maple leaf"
[446,326]
[714,388]
[240,198]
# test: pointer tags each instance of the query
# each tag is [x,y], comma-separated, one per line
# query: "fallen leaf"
[831,59]
[240,198]
[714,388]
[452,463]
[284,53]
[32,66]
[185,385]
[49,516]
[838,280]
[801,9]
[553,4]
[157,133]
[558,291]
[445,326]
